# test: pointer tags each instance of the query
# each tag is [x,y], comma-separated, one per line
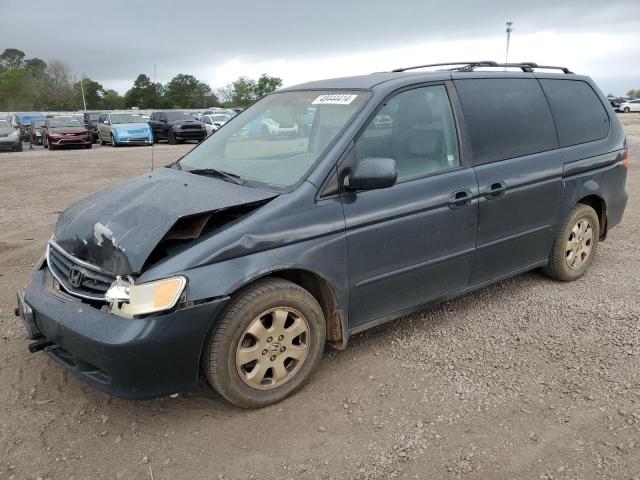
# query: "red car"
[61,132]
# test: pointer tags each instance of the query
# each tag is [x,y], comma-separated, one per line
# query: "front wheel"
[172,138]
[575,245]
[19,147]
[266,345]
[627,109]
[114,144]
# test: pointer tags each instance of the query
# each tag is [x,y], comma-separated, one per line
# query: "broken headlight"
[128,299]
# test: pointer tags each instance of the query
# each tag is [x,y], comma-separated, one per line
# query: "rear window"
[506,118]
[579,113]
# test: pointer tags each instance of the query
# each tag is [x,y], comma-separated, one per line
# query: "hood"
[118,228]
[67,130]
[184,122]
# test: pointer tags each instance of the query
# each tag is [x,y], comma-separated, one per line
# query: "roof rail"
[471,66]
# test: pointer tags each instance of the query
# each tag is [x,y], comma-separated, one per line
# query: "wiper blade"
[231,177]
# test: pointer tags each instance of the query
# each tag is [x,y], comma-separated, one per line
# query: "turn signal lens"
[151,297]
[625,158]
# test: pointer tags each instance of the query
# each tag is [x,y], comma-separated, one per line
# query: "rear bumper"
[127,358]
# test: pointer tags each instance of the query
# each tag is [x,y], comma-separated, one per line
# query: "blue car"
[124,129]
[22,121]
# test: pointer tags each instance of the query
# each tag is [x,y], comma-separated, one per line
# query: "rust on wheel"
[272,348]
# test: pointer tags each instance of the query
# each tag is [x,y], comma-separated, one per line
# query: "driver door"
[415,241]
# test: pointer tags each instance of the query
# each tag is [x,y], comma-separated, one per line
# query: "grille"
[93,282]
[192,127]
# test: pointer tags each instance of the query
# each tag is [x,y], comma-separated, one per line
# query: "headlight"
[15,133]
[129,300]
[52,134]
[176,127]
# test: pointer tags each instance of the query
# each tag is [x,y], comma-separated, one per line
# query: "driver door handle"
[460,198]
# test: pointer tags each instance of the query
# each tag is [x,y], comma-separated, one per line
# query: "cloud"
[299,41]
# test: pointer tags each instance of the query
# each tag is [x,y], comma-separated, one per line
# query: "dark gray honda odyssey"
[320,211]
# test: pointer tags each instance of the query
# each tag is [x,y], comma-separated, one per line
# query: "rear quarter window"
[506,118]
[579,114]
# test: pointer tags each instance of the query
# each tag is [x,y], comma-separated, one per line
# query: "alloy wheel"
[272,348]
[579,244]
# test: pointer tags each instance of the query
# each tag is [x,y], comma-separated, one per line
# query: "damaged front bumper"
[128,358]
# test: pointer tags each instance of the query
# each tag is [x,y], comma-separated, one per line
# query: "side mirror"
[372,174]
[106,122]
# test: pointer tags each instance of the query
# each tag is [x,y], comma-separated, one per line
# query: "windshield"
[94,116]
[4,124]
[117,118]
[277,140]
[38,123]
[26,119]
[220,118]
[64,122]
[171,116]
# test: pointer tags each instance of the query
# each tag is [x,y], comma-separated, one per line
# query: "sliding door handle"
[495,190]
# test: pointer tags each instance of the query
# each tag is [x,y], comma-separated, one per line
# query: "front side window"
[275,142]
[416,128]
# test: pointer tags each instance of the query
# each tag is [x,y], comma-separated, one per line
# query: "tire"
[114,144]
[102,142]
[566,263]
[19,147]
[627,110]
[265,299]
[171,138]
[51,146]
[45,144]
[88,146]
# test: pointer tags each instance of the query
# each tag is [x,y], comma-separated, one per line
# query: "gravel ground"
[528,378]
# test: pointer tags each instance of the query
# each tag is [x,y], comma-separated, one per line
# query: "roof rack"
[471,66]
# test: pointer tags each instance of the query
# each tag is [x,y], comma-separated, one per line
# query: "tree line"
[33,84]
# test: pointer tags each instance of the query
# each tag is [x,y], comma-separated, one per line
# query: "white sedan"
[214,121]
[630,106]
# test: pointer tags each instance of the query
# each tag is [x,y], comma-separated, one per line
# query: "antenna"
[508,30]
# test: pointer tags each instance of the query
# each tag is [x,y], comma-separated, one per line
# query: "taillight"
[625,157]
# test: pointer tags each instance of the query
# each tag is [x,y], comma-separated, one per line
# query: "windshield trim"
[321,156]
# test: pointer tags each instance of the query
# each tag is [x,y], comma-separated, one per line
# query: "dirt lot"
[524,379]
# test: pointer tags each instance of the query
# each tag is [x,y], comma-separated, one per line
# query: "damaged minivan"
[241,260]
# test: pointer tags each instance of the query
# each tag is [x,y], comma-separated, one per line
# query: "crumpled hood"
[118,228]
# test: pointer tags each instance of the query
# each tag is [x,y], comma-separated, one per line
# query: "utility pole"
[84,103]
[509,30]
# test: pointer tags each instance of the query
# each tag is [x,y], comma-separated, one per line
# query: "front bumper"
[127,358]
[190,134]
[5,143]
[69,140]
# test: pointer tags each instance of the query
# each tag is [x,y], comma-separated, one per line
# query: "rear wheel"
[575,245]
[266,345]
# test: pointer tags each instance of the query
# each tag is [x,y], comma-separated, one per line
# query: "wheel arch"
[599,205]
[323,291]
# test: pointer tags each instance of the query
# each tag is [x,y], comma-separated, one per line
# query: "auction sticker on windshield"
[334,99]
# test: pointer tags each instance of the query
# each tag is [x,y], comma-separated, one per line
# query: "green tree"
[11,58]
[243,92]
[634,93]
[186,91]
[15,93]
[93,93]
[112,100]
[266,84]
[143,94]
[59,93]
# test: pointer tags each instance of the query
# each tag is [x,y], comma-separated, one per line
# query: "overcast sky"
[217,41]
